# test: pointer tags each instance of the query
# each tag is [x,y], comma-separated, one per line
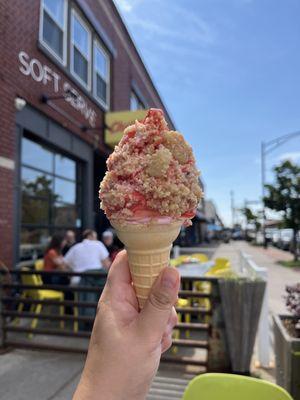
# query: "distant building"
[64,65]
[214,221]
[195,234]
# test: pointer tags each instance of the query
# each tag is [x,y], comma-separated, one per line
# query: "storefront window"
[53,26]
[51,196]
[101,74]
[80,49]
[135,102]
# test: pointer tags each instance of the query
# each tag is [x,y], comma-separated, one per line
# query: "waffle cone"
[148,247]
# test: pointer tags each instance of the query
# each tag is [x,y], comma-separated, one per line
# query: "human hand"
[126,344]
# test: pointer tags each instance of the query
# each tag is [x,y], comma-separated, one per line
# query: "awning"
[214,227]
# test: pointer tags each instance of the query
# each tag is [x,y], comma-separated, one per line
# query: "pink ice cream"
[151,174]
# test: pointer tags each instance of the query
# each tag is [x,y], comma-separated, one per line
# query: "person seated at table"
[90,254]
[54,261]
[70,241]
[108,241]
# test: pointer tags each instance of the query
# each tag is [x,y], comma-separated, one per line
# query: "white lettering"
[43,73]
[25,68]
[47,76]
[56,80]
[92,119]
[39,76]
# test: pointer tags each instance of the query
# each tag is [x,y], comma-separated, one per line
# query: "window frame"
[43,9]
[50,225]
[97,44]
[75,14]
[139,101]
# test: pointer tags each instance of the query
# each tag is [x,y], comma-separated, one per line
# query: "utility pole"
[266,148]
[232,208]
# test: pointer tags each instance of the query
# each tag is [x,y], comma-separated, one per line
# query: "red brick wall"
[19,27]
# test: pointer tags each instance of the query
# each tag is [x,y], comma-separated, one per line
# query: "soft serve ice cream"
[151,174]
[150,190]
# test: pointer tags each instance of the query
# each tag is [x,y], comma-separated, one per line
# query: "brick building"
[63,65]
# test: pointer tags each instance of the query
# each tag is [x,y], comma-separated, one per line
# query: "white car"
[276,237]
[286,238]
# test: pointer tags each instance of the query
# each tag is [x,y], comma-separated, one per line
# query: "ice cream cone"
[148,247]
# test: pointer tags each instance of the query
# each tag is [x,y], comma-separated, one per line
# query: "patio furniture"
[39,294]
[39,265]
[200,257]
[181,303]
[198,270]
[232,387]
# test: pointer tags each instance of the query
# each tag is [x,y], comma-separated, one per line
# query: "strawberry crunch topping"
[151,173]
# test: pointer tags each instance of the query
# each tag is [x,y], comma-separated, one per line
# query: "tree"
[251,218]
[284,196]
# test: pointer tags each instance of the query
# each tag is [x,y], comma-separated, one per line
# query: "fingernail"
[169,278]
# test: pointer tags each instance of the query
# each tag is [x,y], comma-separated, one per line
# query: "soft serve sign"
[42,73]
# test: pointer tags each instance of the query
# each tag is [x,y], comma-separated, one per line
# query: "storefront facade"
[65,64]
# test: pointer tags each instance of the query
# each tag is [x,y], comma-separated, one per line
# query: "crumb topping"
[152,169]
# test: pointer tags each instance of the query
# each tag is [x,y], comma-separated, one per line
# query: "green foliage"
[251,218]
[290,264]
[284,195]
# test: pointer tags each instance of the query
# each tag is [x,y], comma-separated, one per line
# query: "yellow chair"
[39,294]
[182,303]
[39,265]
[200,256]
[174,262]
[215,386]
[220,264]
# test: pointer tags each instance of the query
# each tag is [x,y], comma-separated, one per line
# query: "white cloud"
[127,6]
[293,156]
[180,24]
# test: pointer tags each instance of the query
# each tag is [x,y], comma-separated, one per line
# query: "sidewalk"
[39,375]
[278,276]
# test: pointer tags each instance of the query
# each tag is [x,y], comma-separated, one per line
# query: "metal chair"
[232,387]
[39,294]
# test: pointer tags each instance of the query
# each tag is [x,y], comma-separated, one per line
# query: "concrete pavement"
[278,276]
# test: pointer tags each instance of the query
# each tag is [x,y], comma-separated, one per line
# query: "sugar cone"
[148,247]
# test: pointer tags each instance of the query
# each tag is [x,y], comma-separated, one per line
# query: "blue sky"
[229,73]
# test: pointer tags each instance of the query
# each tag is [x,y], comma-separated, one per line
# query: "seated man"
[90,254]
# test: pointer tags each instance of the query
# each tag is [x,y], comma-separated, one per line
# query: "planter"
[287,355]
[241,303]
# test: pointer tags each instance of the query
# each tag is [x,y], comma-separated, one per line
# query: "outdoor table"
[194,270]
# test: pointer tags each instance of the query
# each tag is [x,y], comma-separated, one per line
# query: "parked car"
[259,238]
[275,237]
[286,238]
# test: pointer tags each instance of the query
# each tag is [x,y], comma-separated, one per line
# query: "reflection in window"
[101,74]
[33,243]
[65,167]
[135,102]
[36,155]
[80,49]
[65,191]
[53,29]
[35,183]
[35,211]
[65,215]
[51,196]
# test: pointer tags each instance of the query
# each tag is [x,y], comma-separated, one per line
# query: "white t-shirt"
[86,255]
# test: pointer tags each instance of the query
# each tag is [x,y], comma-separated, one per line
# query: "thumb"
[154,317]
